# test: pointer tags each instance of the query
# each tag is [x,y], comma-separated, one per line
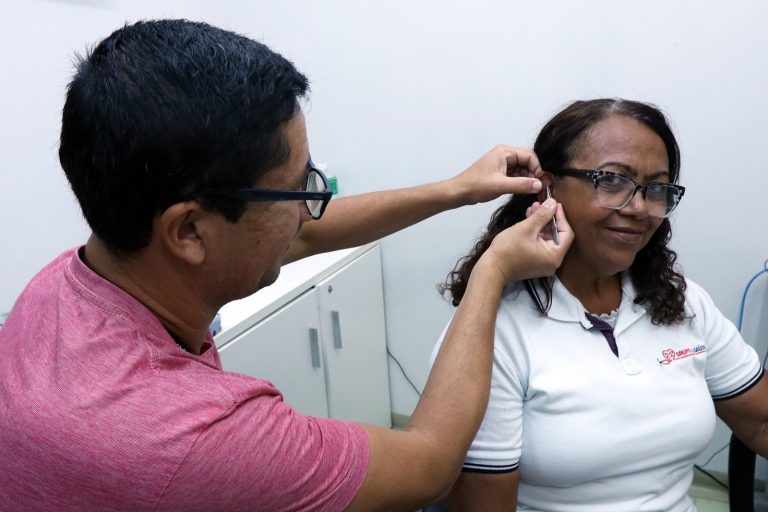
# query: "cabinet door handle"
[336,323]
[314,347]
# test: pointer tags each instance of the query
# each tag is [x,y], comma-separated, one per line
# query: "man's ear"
[180,228]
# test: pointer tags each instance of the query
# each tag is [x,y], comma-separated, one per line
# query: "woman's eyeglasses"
[615,191]
[316,193]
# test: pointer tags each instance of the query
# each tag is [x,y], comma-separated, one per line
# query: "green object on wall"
[333,184]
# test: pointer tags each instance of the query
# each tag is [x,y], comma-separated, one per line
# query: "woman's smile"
[630,235]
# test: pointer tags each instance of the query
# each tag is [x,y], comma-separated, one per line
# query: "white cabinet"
[284,348]
[354,341]
[319,336]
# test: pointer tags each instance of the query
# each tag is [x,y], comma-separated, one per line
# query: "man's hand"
[527,250]
[503,170]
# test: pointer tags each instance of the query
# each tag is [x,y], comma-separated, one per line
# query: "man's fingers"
[520,185]
[541,216]
[519,159]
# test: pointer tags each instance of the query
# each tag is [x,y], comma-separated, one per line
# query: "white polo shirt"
[593,432]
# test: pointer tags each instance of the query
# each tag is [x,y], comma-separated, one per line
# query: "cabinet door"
[285,349]
[354,340]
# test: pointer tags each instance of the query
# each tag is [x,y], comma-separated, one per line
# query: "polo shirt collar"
[110,297]
[567,308]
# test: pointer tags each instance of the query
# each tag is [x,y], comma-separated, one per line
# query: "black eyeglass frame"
[596,174]
[270,194]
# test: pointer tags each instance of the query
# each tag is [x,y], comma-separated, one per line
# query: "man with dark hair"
[186,148]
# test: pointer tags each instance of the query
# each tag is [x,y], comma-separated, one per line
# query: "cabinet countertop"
[295,279]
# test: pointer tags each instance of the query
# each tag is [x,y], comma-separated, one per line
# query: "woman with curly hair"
[607,377]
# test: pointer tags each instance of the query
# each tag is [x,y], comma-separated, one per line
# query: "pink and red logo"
[671,355]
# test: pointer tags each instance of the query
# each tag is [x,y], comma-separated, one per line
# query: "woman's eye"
[612,180]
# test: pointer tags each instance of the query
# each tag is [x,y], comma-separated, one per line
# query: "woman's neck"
[599,294]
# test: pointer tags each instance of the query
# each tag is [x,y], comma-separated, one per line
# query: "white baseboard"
[399,421]
[704,487]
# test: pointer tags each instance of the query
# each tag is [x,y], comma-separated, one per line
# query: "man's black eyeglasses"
[316,193]
[615,191]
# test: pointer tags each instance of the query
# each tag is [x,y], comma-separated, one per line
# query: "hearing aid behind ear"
[553,222]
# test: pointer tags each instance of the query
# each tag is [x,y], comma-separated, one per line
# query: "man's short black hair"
[162,110]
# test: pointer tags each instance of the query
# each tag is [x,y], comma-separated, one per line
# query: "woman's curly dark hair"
[660,286]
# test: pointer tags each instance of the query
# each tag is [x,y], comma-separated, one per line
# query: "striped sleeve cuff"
[474,467]
[743,388]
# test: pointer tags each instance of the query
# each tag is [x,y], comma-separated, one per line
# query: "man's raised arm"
[364,218]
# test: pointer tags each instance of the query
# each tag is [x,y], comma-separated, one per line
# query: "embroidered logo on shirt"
[671,354]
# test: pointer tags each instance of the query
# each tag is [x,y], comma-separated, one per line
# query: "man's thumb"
[544,213]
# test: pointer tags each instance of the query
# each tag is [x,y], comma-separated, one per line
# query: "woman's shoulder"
[699,305]
[514,295]
[696,295]
[517,307]
[513,290]
[692,287]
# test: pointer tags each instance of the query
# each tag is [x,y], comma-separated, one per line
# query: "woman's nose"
[637,206]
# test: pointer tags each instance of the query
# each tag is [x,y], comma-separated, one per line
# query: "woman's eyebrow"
[626,167]
[657,175]
[629,170]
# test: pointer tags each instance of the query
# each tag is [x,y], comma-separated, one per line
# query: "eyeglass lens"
[315,183]
[615,191]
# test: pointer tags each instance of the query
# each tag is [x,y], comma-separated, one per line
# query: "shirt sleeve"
[733,366]
[498,443]
[266,456]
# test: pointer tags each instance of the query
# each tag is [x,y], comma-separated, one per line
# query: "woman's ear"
[547,180]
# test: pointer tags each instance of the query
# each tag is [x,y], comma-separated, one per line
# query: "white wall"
[408,92]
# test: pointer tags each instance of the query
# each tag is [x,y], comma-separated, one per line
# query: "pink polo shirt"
[101,410]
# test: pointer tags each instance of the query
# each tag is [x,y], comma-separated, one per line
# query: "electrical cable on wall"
[713,477]
[739,326]
[746,290]
[743,300]
[713,456]
[402,370]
